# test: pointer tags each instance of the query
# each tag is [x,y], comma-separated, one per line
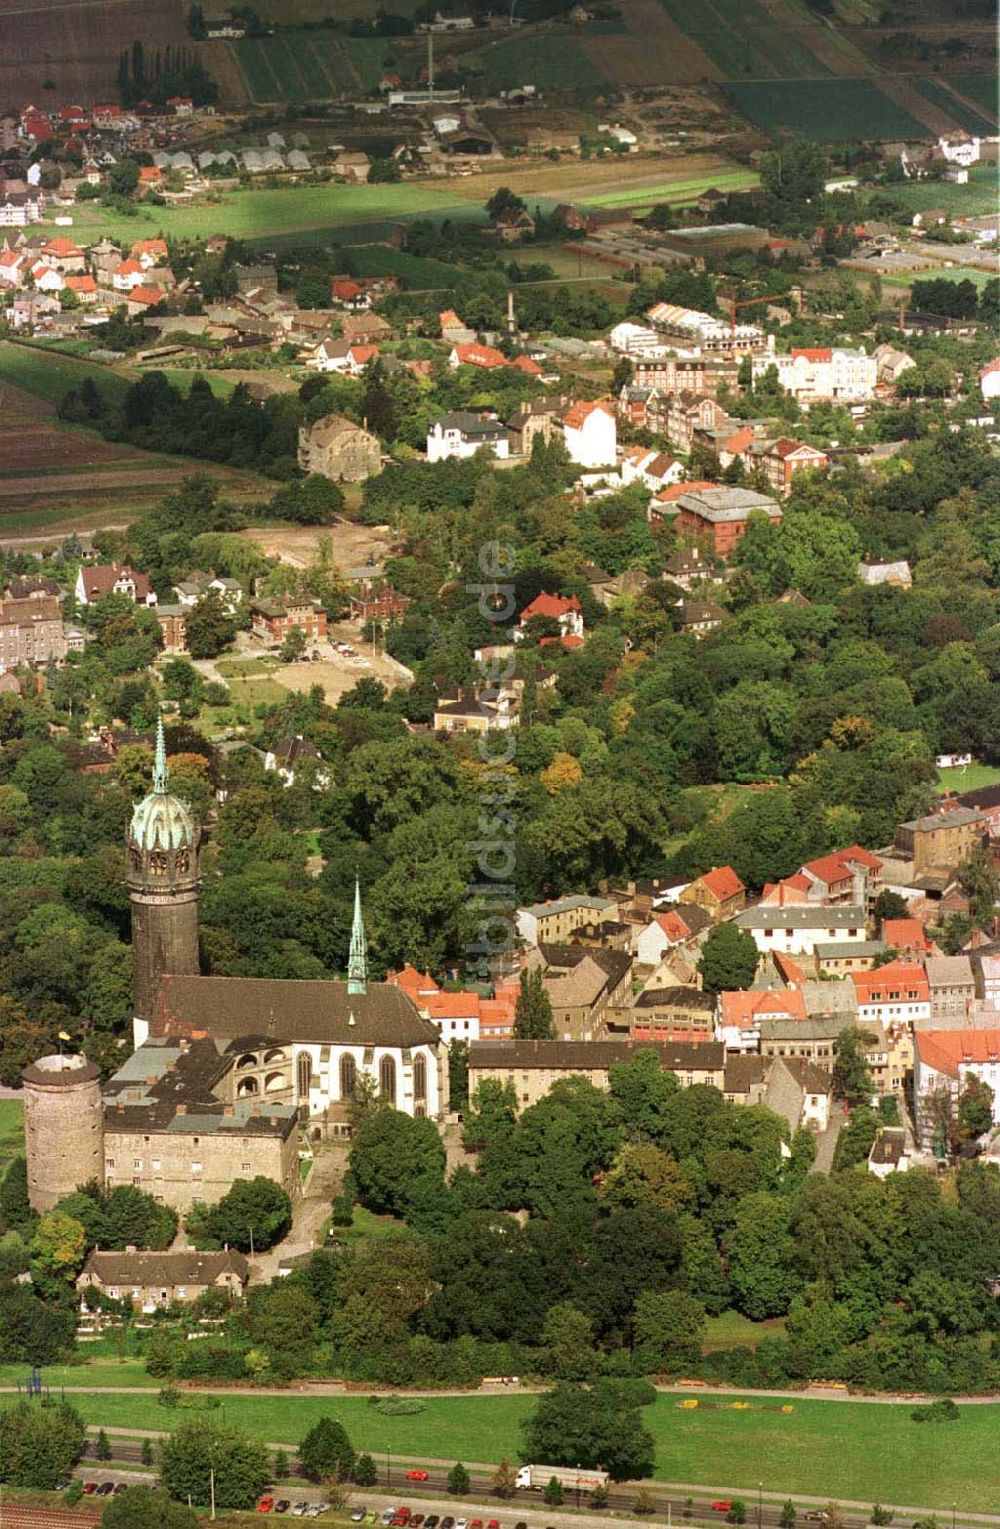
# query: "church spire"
[357,964]
[160,759]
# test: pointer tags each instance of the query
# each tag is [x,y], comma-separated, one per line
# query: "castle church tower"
[163,890]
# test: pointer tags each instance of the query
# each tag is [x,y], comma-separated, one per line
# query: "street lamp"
[760,1505]
[388,1469]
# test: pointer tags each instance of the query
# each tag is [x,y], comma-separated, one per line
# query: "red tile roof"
[903,977]
[61,248]
[677,489]
[905,934]
[550,605]
[81,283]
[346,291]
[157,247]
[526,365]
[744,1009]
[722,882]
[149,295]
[475,354]
[452,1005]
[813,353]
[673,925]
[578,414]
[129,268]
[362,354]
[946,1050]
[413,982]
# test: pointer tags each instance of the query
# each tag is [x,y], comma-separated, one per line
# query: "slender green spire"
[160,759]
[357,964]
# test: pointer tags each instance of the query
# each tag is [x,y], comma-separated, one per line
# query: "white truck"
[571,1479]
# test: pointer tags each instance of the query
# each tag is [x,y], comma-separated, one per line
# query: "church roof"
[161,820]
[290,1011]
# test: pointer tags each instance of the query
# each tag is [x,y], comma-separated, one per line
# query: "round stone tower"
[63,1127]
[163,889]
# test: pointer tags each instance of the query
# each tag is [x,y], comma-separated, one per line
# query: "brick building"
[720,516]
[274,619]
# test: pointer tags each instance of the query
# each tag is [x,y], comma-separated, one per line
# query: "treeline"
[957,299]
[172,71]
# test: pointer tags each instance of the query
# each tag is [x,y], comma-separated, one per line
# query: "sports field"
[841,1449]
[825,111]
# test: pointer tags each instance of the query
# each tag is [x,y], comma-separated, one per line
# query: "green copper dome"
[161,820]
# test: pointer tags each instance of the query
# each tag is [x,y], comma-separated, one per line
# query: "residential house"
[838,958]
[365,328]
[152,1281]
[533,1067]
[952,991]
[699,617]
[14,266]
[797,931]
[821,372]
[273,620]
[719,891]
[173,627]
[486,357]
[686,414]
[847,877]
[943,1061]
[63,255]
[349,294]
[783,458]
[537,418]
[551,923]
[19,208]
[513,225]
[891,364]
[942,840]
[95,580]
[585,984]
[352,165]
[893,995]
[689,566]
[346,357]
[383,605]
[462,433]
[562,609]
[457,1016]
[31,632]
[126,275]
[590,434]
[889,1152]
[141,299]
[669,1013]
[718,517]
[660,470]
[337,448]
[453,331]
[799,1091]
[465,711]
[989,380]
[739,1014]
[907,937]
[289,755]
[83,288]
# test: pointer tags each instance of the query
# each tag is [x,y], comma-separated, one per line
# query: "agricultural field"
[610,182]
[981,88]
[554,61]
[857,1450]
[653,50]
[825,111]
[744,38]
[67,50]
[49,375]
[973,118]
[383,260]
[977,198]
[309,65]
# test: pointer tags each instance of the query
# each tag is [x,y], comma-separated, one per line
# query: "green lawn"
[11,1131]
[953,273]
[840,1449]
[731,1330]
[973,778]
[257,214]
[673,190]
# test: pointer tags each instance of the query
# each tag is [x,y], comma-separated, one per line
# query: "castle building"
[228,1073]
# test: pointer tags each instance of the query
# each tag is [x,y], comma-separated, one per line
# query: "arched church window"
[419,1077]
[182,860]
[348,1075]
[158,863]
[303,1069]
[387,1079]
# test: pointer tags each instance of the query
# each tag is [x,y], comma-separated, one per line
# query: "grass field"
[976,198]
[973,778]
[841,1449]
[382,260]
[825,111]
[677,191]
[259,214]
[973,118]
[731,1330]
[953,273]
[49,375]
[551,61]
[11,1131]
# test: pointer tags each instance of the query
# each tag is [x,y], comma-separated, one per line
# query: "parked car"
[89,1488]
[358,1516]
[120,1487]
[388,1515]
[282,1505]
[722,1505]
[416,1519]
[265,1504]
[431,1521]
[494,1523]
[106,1489]
[417,1475]
[299,1509]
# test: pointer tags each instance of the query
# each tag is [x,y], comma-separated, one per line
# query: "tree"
[975,1108]
[326,1449]
[573,1425]
[59,1246]
[147,1508]
[365,1473]
[146,1452]
[294,645]
[533,1009]
[458,1480]
[644,1175]
[200,1445]
[789,1515]
[33,1330]
[852,1075]
[881,1516]
[737,1512]
[389,1151]
[728,959]
[669,1328]
[39,1445]
[504,1479]
[889,905]
[553,1492]
[794,173]
[980,883]
[102,1447]
[209,626]
[645,1502]
[568,1334]
[255,1211]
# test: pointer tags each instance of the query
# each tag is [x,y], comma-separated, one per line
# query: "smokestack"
[511,325]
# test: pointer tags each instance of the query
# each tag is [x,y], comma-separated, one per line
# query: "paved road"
[826,1144]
